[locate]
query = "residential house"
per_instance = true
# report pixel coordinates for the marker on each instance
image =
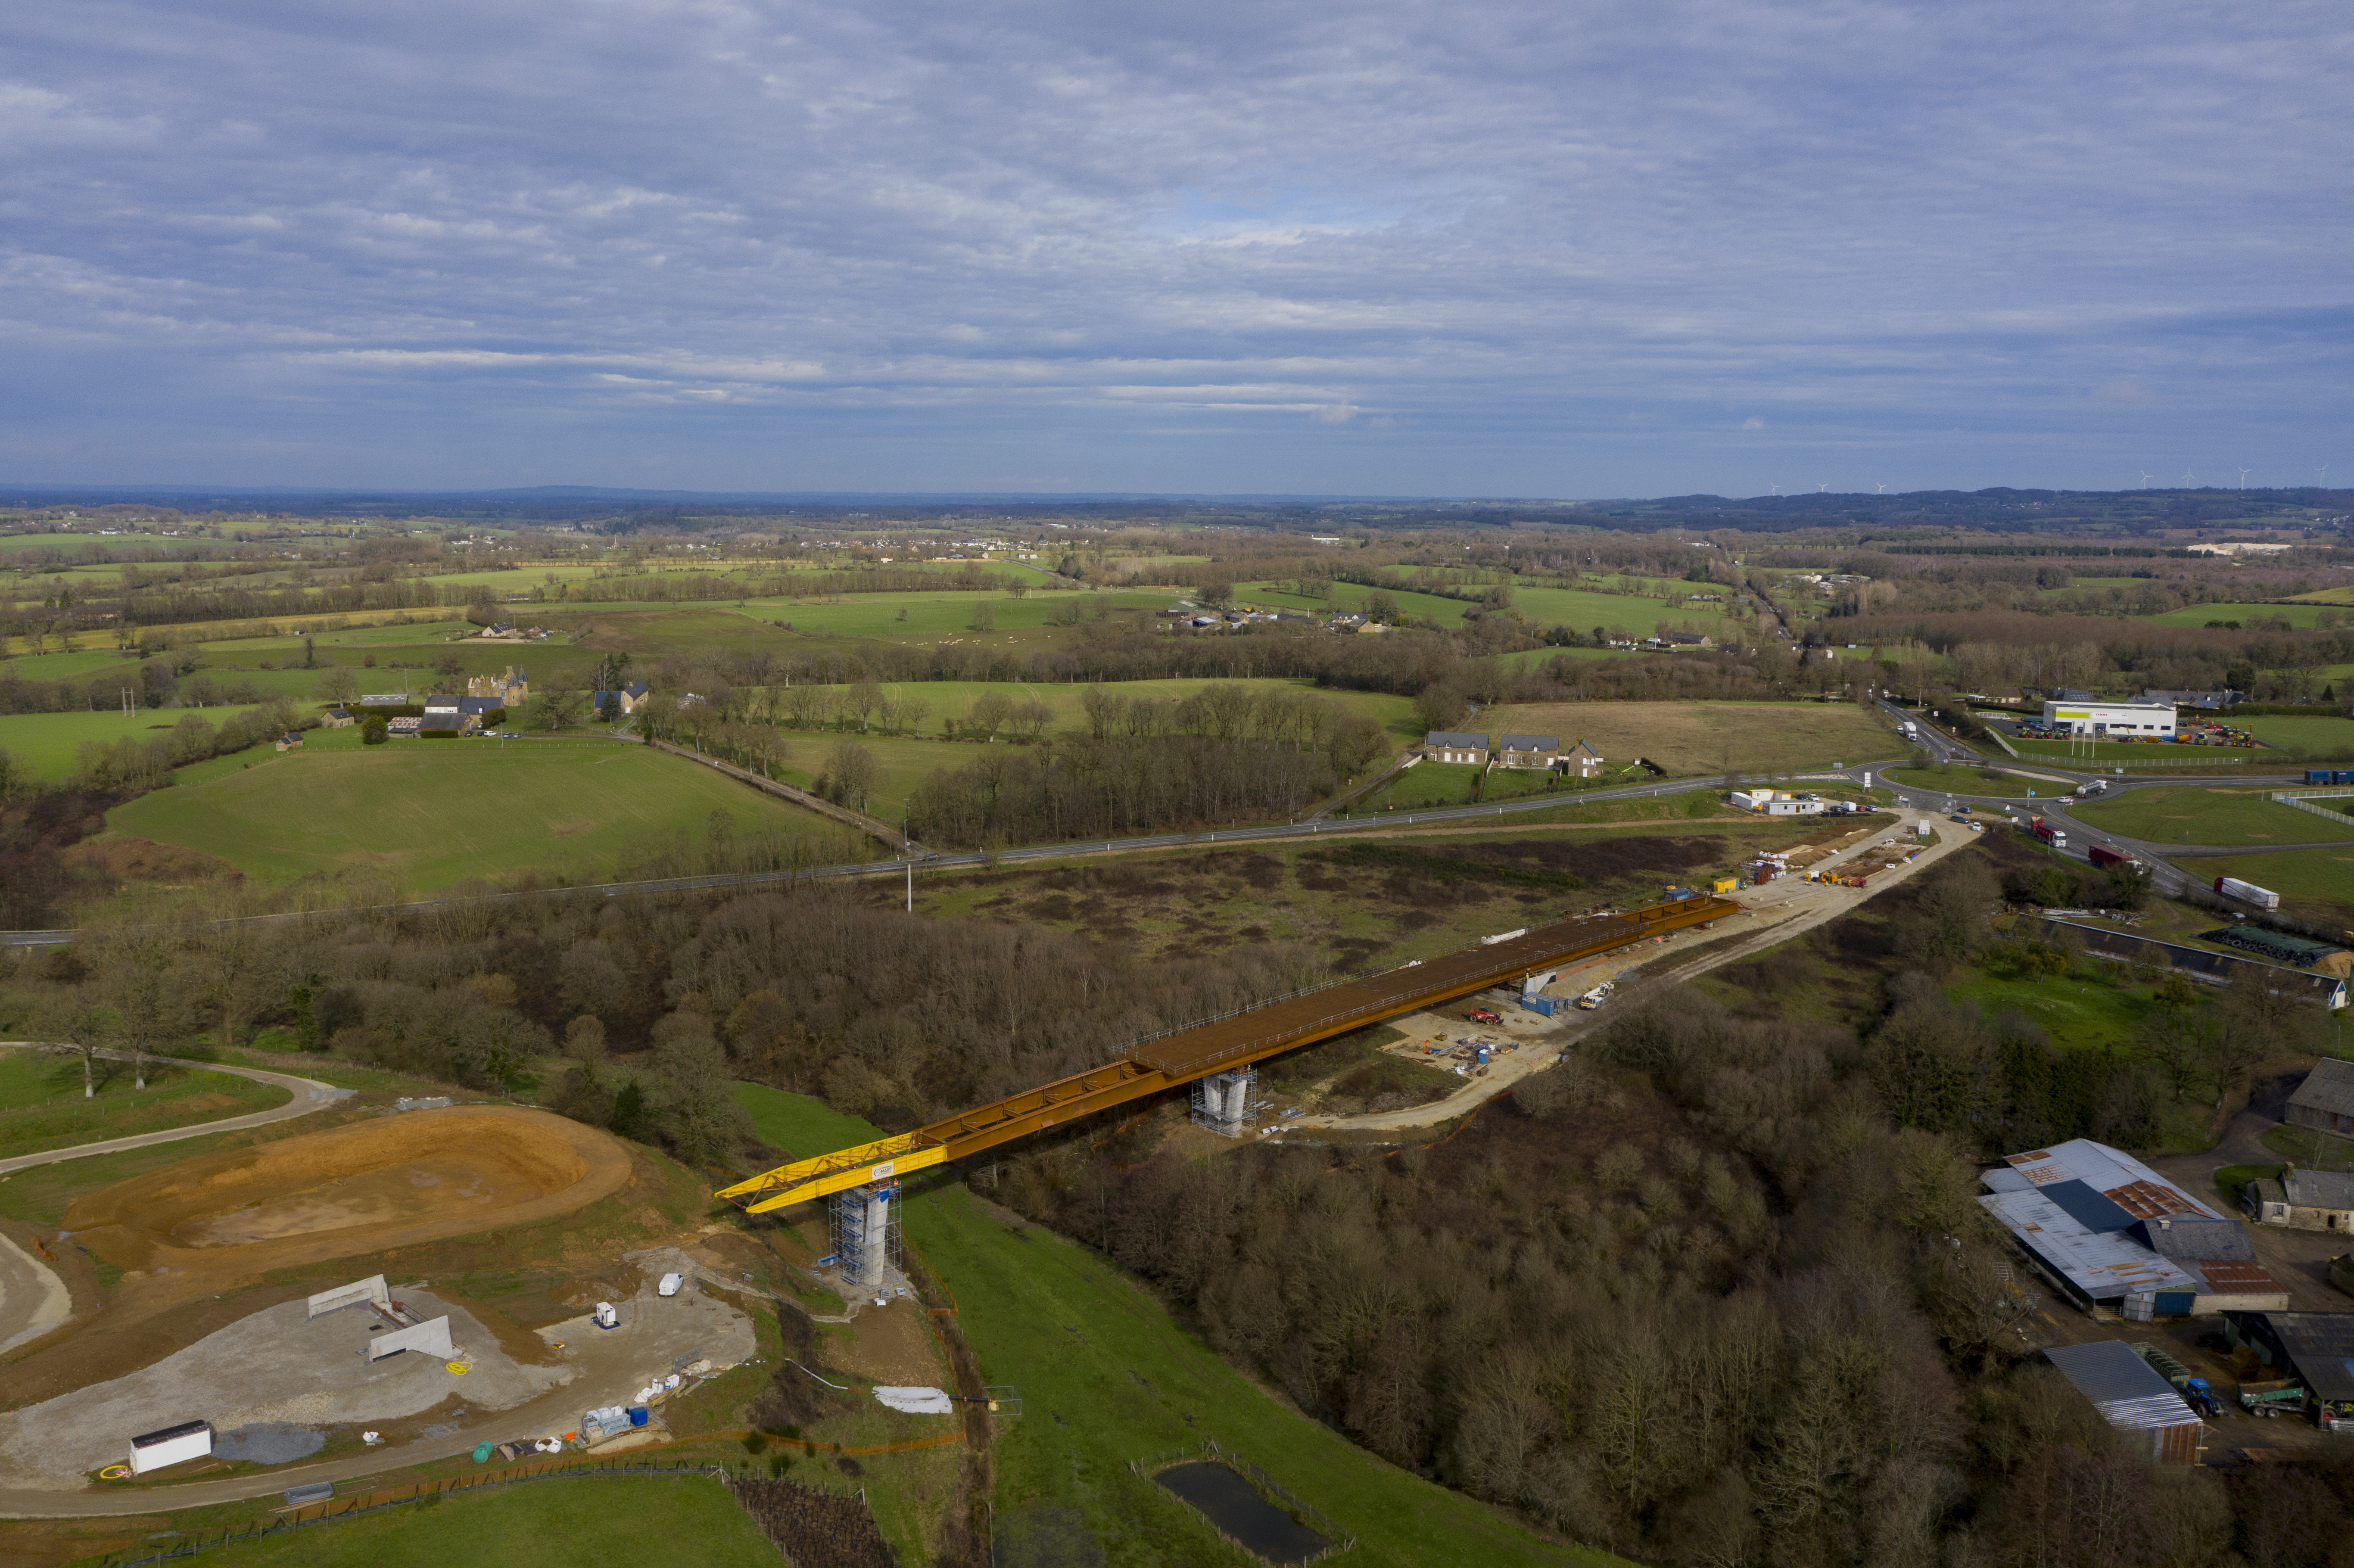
(1686, 640)
(625, 702)
(1455, 746)
(1527, 750)
(2302, 1200)
(337, 719)
(1580, 761)
(289, 740)
(2325, 1101)
(461, 715)
(511, 689)
(2133, 1396)
(2110, 1233)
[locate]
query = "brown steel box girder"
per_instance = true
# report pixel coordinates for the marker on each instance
(1270, 1031)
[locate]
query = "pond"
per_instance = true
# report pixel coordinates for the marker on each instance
(1231, 1504)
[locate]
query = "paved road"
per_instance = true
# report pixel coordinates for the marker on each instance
(309, 1095)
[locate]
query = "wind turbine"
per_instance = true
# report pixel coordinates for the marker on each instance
(1820, 488)
(2323, 476)
(1880, 490)
(1777, 490)
(2189, 478)
(2243, 479)
(2145, 479)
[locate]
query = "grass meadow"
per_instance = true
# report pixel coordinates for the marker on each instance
(45, 744)
(427, 813)
(2318, 884)
(42, 1106)
(2314, 736)
(1707, 738)
(2187, 814)
(1971, 781)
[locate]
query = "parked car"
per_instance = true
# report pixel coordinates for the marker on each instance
(1485, 1015)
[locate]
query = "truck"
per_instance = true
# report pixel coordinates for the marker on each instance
(2247, 893)
(2102, 855)
(2056, 837)
(2195, 1390)
(1594, 997)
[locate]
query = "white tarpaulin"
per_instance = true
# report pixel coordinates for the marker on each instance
(916, 1401)
(372, 1290)
(431, 1336)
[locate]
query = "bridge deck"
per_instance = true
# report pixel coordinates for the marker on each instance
(1219, 1044)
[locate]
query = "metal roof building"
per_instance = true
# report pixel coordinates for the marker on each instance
(2325, 1099)
(2132, 1396)
(2314, 1348)
(2108, 1230)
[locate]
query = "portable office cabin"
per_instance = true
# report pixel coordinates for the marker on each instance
(2132, 1396)
(171, 1445)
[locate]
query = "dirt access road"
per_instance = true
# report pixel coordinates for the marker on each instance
(33, 1299)
(1777, 910)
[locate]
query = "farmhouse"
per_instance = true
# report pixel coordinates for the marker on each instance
(2109, 1231)
(1527, 750)
(627, 700)
(1456, 746)
(289, 740)
(337, 719)
(2325, 1101)
(1580, 761)
(2132, 1396)
(460, 715)
(2302, 1201)
(511, 689)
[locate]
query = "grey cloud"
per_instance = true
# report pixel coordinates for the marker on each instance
(607, 232)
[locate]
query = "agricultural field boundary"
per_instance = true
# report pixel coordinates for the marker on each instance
(863, 823)
(2298, 798)
(310, 1094)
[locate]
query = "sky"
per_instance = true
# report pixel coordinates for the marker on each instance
(1510, 248)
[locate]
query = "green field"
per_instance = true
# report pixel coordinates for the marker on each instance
(2301, 616)
(42, 1108)
(2186, 814)
(1106, 1376)
(1581, 610)
(76, 666)
(1707, 738)
(2317, 884)
(801, 1126)
(45, 744)
(427, 813)
(931, 616)
(367, 639)
(632, 1522)
(1971, 781)
(2151, 756)
(2078, 1014)
(2321, 737)
(1351, 596)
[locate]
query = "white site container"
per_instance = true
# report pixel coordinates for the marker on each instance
(669, 1284)
(189, 1440)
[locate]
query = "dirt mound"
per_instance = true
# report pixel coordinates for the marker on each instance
(406, 1179)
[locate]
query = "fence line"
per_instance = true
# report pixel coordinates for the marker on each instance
(2099, 762)
(333, 1509)
(2299, 798)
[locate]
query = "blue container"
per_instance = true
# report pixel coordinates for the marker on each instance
(1544, 1004)
(2345, 776)
(2317, 776)
(637, 1415)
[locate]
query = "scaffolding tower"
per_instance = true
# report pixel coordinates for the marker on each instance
(1226, 1103)
(863, 1223)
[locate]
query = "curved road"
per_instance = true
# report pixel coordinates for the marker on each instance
(33, 1300)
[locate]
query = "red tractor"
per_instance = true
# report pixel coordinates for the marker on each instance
(1485, 1015)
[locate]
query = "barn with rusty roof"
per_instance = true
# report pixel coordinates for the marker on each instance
(2109, 1231)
